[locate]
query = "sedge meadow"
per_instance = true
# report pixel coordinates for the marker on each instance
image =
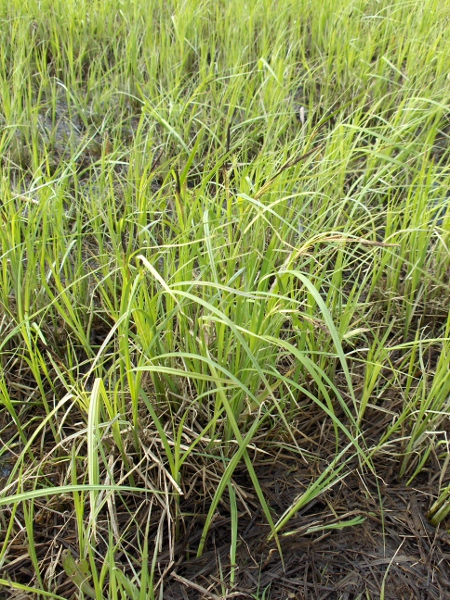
(224, 299)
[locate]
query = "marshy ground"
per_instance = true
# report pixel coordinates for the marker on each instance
(224, 300)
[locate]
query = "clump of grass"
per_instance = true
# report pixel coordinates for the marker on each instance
(188, 265)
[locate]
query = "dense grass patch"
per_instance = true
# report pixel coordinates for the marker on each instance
(225, 236)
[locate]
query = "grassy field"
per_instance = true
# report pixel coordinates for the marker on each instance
(224, 299)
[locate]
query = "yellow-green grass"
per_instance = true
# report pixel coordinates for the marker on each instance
(188, 262)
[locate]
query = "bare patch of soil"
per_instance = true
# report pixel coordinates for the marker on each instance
(395, 552)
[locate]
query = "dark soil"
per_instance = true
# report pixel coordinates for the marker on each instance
(394, 554)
